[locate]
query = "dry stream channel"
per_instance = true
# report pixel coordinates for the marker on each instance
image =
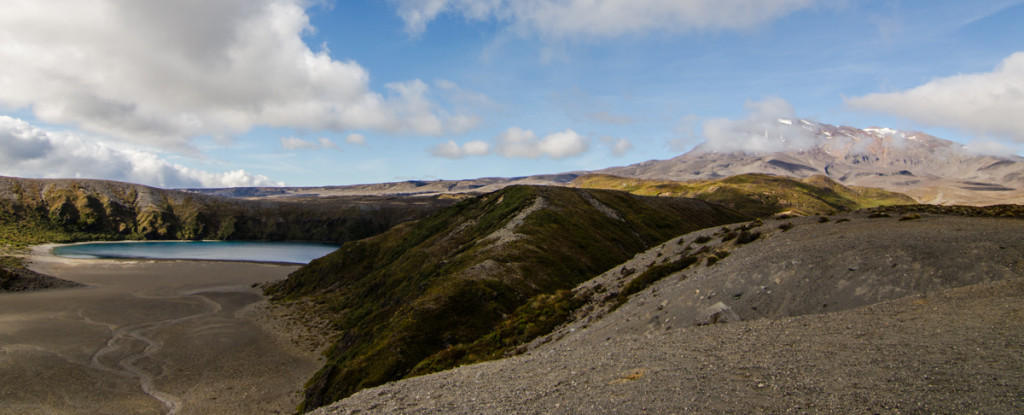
(147, 336)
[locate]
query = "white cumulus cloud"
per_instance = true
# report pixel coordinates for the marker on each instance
(516, 142)
(769, 126)
(618, 146)
(161, 73)
(604, 18)
(451, 149)
(990, 103)
(357, 139)
(29, 151)
(292, 143)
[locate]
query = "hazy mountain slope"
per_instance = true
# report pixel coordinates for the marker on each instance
(450, 278)
(406, 188)
(757, 194)
(59, 210)
(930, 169)
(857, 312)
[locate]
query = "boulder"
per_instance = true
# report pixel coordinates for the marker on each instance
(715, 314)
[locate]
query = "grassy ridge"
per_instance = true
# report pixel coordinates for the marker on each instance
(36, 211)
(453, 277)
(757, 194)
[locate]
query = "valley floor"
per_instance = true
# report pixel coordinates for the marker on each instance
(182, 337)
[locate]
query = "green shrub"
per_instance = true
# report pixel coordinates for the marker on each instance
(539, 316)
(654, 274)
(747, 237)
(715, 257)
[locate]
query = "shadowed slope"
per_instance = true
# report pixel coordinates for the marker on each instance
(448, 279)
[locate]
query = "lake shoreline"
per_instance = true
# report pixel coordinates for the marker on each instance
(48, 251)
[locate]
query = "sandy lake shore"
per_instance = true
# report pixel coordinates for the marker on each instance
(181, 337)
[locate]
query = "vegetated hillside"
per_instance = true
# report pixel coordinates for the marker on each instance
(927, 168)
(399, 297)
(887, 310)
(757, 194)
(63, 210)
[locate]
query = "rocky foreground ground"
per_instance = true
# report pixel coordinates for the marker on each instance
(849, 315)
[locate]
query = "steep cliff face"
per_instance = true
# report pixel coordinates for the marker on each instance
(448, 279)
(49, 210)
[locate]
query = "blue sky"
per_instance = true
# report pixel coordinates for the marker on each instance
(304, 92)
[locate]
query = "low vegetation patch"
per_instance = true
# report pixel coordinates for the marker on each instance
(758, 195)
(653, 275)
(715, 257)
(542, 314)
(746, 237)
(994, 211)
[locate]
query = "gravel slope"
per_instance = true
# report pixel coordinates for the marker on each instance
(896, 335)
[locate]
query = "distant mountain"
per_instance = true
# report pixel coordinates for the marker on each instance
(406, 188)
(929, 169)
(451, 278)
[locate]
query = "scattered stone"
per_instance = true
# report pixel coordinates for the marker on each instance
(715, 314)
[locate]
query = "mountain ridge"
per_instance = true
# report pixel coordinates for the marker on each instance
(450, 278)
(928, 168)
(66, 210)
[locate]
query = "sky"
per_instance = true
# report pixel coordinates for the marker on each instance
(226, 93)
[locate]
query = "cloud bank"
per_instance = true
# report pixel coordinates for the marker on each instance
(770, 126)
(162, 73)
(557, 19)
(451, 149)
(292, 143)
(990, 103)
(516, 142)
(26, 148)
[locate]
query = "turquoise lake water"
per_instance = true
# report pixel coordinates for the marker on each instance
(288, 252)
